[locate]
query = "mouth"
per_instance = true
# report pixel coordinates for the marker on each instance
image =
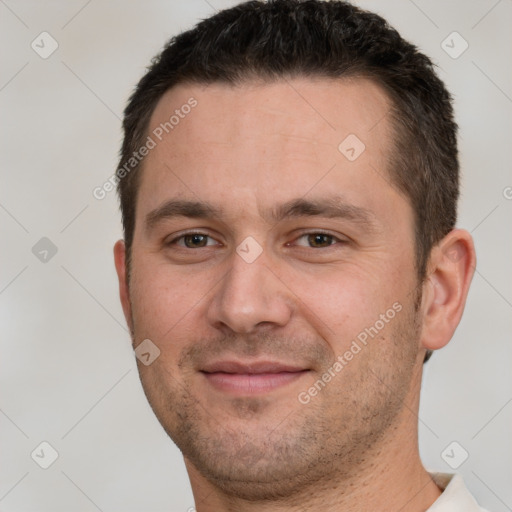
(251, 378)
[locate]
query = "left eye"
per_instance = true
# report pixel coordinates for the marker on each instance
(194, 241)
(316, 240)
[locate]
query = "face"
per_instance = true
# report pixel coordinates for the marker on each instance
(274, 270)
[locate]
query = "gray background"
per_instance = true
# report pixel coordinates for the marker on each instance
(68, 373)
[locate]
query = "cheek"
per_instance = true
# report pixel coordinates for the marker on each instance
(167, 305)
(336, 309)
(342, 305)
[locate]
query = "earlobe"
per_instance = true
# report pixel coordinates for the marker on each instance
(124, 295)
(451, 267)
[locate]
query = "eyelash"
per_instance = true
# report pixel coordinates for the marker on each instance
(335, 240)
(175, 240)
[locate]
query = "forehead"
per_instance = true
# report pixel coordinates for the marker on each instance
(261, 143)
(296, 112)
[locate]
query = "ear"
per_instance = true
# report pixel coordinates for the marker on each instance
(124, 294)
(449, 274)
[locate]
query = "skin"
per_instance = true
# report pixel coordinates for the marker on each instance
(247, 151)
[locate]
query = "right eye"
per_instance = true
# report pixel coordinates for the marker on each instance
(193, 241)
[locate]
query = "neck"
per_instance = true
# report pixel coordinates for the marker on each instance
(391, 478)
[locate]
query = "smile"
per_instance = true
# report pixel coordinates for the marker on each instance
(251, 378)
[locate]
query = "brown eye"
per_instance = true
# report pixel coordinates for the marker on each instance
(319, 240)
(195, 240)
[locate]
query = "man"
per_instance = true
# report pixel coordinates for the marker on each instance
(288, 185)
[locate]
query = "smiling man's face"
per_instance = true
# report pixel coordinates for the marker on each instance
(260, 253)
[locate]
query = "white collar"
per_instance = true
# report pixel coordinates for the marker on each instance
(455, 497)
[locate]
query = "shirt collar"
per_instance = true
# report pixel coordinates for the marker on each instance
(455, 497)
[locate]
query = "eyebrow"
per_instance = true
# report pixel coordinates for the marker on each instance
(181, 208)
(331, 207)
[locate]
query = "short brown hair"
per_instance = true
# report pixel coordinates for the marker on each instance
(287, 38)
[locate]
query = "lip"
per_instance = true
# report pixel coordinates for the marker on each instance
(250, 378)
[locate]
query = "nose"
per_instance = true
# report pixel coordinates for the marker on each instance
(250, 297)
